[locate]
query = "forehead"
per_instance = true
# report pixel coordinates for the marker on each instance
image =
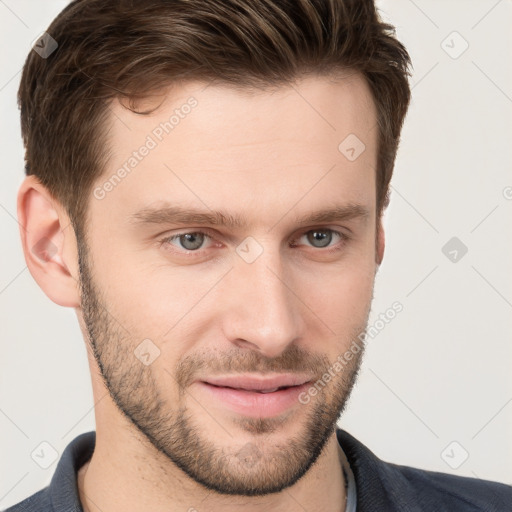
(212, 146)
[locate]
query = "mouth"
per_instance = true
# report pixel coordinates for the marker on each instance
(255, 396)
(266, 384)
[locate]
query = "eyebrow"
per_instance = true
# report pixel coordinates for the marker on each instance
(168, 214)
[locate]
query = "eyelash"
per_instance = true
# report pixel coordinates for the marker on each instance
(329, 249)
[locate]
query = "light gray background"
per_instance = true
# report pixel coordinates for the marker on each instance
(440, 372)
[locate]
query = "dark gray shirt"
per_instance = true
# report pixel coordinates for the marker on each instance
(378, 486)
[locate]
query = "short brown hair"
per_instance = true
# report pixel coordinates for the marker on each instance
(124, 49)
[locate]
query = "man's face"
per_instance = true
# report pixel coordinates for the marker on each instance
(194, 323)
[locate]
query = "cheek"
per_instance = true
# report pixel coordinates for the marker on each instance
(340, 296)
(153, 299)
(160, 301)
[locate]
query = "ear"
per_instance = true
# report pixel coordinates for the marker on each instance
(380, 242)
(49, 243)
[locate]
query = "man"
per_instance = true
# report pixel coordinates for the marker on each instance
(205, 186)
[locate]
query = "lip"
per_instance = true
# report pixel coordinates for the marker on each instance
(254, 396)
(258, 383)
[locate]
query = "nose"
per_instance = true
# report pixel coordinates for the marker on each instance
(264, 311)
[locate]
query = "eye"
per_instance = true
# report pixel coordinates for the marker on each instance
(322, 237)
(188, 241)
(194, 241)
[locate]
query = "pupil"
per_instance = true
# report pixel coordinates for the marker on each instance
(324, 237)
(191, 241)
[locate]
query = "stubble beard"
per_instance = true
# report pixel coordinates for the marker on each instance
(260, 467)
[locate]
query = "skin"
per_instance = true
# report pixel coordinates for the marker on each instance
(272, 157)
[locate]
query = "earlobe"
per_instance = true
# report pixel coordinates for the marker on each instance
(49, 243)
